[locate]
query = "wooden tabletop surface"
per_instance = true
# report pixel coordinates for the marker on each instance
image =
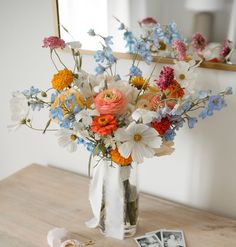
(37, 199)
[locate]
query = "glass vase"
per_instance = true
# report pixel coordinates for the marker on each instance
(129, 188)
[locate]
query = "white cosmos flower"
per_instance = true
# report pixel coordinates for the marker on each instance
(144, 115)
(19, 110)
(86, 116)
(185, 74)
(76, 45)
(19, 107)
(87, 83)
(68, 139)
(137, 140)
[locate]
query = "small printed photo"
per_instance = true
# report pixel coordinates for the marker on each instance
(173, 238)
(148, 241)
(157, 233)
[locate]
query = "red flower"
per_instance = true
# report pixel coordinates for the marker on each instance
(162, 126)
(104, 124)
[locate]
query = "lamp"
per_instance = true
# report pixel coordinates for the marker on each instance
(204, 15)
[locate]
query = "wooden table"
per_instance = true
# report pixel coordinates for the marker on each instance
(38, 198)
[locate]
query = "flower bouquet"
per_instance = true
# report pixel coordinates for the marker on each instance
(119, 119)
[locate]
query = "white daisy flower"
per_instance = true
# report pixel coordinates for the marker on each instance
(137, 140)
(19, 110)
(185, 74)
(68, 139)
(144, 115)
(86, 115)
(76, 45)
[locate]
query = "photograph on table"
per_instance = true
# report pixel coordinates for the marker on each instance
(148, 241)
(173, 238)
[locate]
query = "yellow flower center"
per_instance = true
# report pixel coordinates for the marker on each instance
(73, 137)
(182, 76)
(137, 137)
(103, 121)
(109, 96)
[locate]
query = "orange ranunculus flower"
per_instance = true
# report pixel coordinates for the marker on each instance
(62, 79)
(118, 159)
(104, 124)
(111, 101)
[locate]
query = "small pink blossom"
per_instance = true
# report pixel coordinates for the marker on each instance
(53, 42)
(225, 50)
(198, 42)
(180, 48)
(165, 78)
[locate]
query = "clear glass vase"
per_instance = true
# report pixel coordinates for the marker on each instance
(129, 187)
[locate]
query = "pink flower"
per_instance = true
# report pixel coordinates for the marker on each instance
(111, 101)
(180, 48)
(198, 42)
(165, 78)
(53, 42)
(225, 50)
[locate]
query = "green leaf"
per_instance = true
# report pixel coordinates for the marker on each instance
(89, 164)
(47, 125)
(96, 150)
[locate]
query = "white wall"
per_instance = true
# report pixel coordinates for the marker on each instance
(200, 173)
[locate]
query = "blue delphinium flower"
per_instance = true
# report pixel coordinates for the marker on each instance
(206, 112)
(100, 69)
(56, 113)
(80, 140)
(53, 96)
(177, 121)
(186, 106)
(202, 94)
(216, 102)
(108, 40)
(130, 41)
(99, 56)
(32, 91)
(158, 34)
(89, 146)
(66, 123)
(122, 26)
(169, 135)
(143, 49)
(172, 33)
(91, 32)
(191, 122)
(228, 91)
(35, 105)
(135, 71)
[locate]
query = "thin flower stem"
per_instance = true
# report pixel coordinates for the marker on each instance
(59, 58)
(30, 126)
(53, 60)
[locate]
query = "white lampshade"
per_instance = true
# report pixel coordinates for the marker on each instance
(204, 5)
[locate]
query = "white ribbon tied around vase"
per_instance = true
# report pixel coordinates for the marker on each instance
(108, 179)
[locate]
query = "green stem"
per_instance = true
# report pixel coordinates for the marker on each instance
(59, 58)
(53, 60)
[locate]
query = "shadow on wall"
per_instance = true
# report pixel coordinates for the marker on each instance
(212, 177)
